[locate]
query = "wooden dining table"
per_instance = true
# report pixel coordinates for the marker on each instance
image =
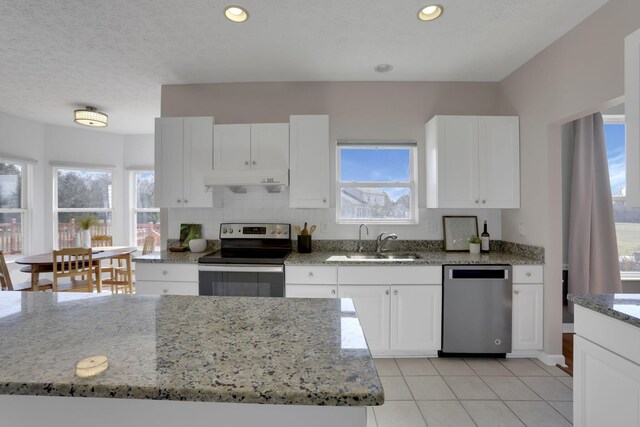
(43, 263)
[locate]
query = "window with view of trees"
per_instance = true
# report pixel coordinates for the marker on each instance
(12, 209)
(80, 193)
(376, 182)
(627, 219)
(146, 216)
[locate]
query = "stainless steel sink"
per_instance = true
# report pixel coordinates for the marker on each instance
(384, 257)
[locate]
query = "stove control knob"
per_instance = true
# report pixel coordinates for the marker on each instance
(224, 231)
(231, 231)
(285, 232)
(273, 231)
(279, 232)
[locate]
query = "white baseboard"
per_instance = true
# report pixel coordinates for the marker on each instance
(547, 359)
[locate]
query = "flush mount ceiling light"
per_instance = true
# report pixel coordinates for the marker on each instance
(236, 14)
(383, 68)
(429, 13)
(89, 116)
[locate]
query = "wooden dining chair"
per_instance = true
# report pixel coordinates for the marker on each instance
(149, 245)
(123, 276)
(77, 265)
(109, 267)
(7, 285)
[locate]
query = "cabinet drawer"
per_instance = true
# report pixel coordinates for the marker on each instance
(528, 274)
(166, 288)
(312, 274)
(160, 272)
(400, 275)
(312, 291)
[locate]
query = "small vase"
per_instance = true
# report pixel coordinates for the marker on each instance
(86, 239)
(78, 240)
(474, 248)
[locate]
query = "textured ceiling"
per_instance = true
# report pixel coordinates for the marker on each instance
(57, 55)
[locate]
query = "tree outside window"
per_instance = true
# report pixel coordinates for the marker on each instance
(146, 216)
(12, 209)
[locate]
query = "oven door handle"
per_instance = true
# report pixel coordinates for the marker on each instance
(242, 268)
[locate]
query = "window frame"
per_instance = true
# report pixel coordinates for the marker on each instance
(620, 119)
(57, 210)
(134, 210)
(25, 202)
(412, 184)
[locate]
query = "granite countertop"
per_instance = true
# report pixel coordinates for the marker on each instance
(623, 307)
(339, 258)
(186, 257)
(426, 258)
(194, 348)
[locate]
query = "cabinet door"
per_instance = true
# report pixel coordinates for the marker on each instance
(499, 162)
(169, 162)
(198, 162)
(527, 317)
(270, 146)
(311, 291)
(232, 147)
(457, 161)
(309, 162)
(416, 318)
(372, 307)
(606, 387)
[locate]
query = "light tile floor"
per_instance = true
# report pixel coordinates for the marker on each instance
(432, 392)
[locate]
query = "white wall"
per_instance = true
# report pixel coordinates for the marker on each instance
(357, 110)
(581, 73)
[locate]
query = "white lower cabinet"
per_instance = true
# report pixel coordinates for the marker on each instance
(373, 310)
(166, 279)
(399, 319)
(311, 291)
(528, 309)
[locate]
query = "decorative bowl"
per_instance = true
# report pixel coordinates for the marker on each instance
(198, 245)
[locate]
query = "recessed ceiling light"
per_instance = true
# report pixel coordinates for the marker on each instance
(429, 13)
(236, 14)
(383, 68)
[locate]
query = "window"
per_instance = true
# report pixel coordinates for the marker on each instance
(146, 217)
(12, 208)
(376, 182)
(627, 219)
(80, 193)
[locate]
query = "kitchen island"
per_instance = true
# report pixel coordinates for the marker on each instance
(606, 389)
(182, 360)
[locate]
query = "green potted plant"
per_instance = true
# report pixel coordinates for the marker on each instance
(85, 224)
(474, 245)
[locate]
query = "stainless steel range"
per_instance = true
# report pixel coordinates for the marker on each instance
(250, 261)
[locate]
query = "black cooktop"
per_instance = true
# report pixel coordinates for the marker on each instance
(245, 257)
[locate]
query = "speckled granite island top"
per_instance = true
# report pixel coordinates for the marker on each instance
(623, 307)
(426, 258)
(193, 348)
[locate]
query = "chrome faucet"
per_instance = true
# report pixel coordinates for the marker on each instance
(360, 236)
(380, 242)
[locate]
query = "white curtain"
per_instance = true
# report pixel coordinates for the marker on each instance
(593, 249)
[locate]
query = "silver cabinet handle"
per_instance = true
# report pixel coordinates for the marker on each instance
(484, 201)
(516, 292)
(395, 292)
(164, 291)
(253, 163)
(246, 163)
(529, 274)
(324, 200)
(476, 201)
(179, 201)
(386, 292)
(333, 291)
(164, 272)
(311, 274)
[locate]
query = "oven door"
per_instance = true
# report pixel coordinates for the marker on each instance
(241, 280)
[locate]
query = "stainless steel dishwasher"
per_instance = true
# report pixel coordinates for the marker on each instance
(476, 310)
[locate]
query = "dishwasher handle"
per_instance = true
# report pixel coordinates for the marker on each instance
(478, 273)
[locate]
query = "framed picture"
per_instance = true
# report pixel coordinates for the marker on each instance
(457, 231)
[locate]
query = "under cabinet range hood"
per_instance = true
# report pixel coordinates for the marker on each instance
(238, 180)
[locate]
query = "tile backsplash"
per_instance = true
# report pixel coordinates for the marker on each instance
(257, 205)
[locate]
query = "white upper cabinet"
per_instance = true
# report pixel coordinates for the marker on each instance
(473, 162)
(632, 116)
(183, 156)
(309, 162)
(251, 146)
